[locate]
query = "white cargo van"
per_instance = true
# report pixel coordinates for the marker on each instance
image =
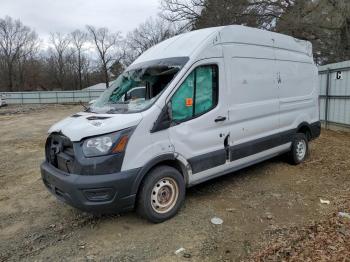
(208, 102)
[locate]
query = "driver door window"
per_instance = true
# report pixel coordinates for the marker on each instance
(197, 95)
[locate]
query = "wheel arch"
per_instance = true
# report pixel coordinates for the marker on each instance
(166, 159)
(305, 128)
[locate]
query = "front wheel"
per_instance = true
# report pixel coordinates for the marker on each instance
(161, 195)
(299, 150)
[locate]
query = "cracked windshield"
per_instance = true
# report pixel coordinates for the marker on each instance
(137, 89)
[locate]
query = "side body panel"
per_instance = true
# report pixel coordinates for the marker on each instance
(298, 89)
(270, 92)
(252, 107)
(252, 92)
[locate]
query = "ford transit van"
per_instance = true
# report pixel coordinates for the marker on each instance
(197, 106)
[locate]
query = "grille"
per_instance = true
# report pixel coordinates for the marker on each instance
(59, 152)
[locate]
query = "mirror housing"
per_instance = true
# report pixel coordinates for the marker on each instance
(92, 102)
(164, 119)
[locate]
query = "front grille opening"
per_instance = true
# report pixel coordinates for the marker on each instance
(59, 152)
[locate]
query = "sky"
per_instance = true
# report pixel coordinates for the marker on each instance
(64, 16)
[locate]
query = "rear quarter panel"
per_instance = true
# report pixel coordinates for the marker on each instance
(298, 89)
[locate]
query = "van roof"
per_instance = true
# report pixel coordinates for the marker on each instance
(178, 46)
(185, 44)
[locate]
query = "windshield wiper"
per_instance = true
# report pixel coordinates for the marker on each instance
(86, 109)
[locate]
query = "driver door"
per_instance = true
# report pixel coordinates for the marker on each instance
(199, 114)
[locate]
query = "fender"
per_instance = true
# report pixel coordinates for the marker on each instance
(185, 167)
(314, 128)
(147, 167)
(302, 124)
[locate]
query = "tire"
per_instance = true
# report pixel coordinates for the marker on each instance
(161, 194)
(299, 150)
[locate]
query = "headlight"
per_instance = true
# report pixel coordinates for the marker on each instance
(106, 144)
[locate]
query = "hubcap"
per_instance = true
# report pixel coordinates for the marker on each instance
(164, 195)
(301, 149)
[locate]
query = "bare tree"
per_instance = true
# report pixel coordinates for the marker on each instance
(185, 12)
(60, 53)
(109, 48)
(16, 42)
(24, 65)
(195, 14)
(79, 39)
(147, 35)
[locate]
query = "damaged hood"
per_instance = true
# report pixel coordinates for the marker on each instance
(83, 124)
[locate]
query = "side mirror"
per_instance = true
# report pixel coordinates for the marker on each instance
(164, 119)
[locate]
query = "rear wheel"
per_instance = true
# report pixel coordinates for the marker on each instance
(299, 150)
(161, 194)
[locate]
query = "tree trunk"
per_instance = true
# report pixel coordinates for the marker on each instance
(79, 73)
(106, 75)
(21, 74)
(80, 80)
(10, 76)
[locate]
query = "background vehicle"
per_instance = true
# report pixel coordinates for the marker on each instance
(2, 100)
(213, 101)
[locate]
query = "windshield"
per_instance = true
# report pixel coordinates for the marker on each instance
(137, 88)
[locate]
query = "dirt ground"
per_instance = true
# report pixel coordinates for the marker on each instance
(260, 205)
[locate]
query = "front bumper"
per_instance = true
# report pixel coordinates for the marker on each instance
(110, 193)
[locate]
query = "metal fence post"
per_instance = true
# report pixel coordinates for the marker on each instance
(327, 97)
(56, 98)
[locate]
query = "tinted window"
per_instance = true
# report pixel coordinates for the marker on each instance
(197, 94)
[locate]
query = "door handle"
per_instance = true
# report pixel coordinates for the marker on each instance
(220, 119)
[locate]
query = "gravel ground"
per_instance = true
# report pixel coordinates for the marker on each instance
(271, 211)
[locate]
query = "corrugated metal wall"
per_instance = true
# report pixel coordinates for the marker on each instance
(334, 80)
(51, 97)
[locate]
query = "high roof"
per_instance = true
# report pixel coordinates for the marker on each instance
(253, 36)
(187, 43)
(177, 46)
